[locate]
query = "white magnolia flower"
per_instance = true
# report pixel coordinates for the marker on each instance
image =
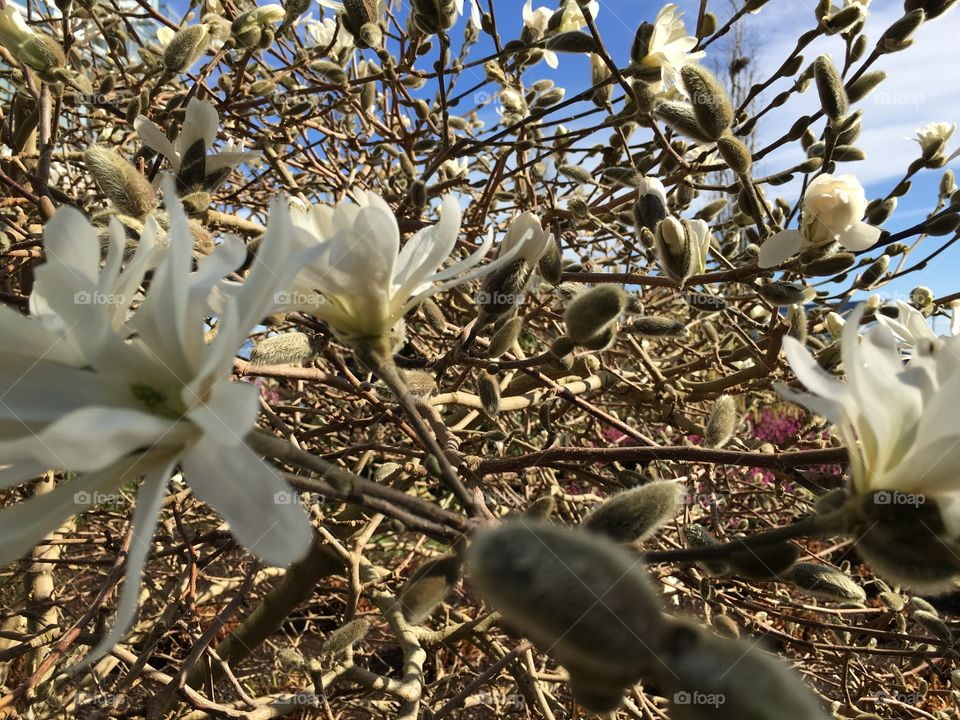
(670, 47)
(652, 186)
(538, 21)
(933, 138)
(833, 208)
(363, 283)
(910, 327)
(111, 398)
(572, 17)
(898, 422)
(474, 11)
(328, 33)
(200, 123)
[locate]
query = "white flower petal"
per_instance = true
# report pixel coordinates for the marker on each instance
(253, 499)
(779, 248)
(146, 515)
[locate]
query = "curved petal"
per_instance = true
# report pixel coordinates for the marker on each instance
(779, 248)
(200, 123)
(144, 525)
(263, 512)
(156, 139)
(90, 438)
(859, 236)
(25, 524)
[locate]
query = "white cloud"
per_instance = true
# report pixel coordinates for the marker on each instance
(918, 89)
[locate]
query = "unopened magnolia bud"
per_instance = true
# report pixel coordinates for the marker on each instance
(943, 225)
(903, 538)
(294, 348)
(697, 536)
(489, 390)
(933, 8)
(625, 176)
(434, 316)
(784, 293)
(722, 421)
(922, 298)
(634, 515)
(711, 106)
(831, 264)
(680, 117)
(898, 36)
(185, 48)
(863, 85)
(736, 679)
(602, 340)
(834, 324)
(762, 562)
(656, 326)
(542, 507)
(843, 19)
(572, 42)
(833, 97)
(501, 290)
(848, 153)
(735, 154)
(673, 247)
(825, 582)
(650, 208)
(551, 263)
(120, 181)
(591, 311)
(599, 76)
(577, 173)
(420, 383)
(427, 587)
(432, 16)
(725, 626)
(504, 338)
(641, 42)
(345, 636)
(873, 273)
(933, 625)
(546, 580)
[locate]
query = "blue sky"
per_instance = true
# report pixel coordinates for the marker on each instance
(921, 88)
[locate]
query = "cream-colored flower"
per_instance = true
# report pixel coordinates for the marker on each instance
(572, 18)
(670, 47)
(110, 397)
(934, 137)
(833, 208)
(328, 33)
(201, 124)
(538, 22)
(474, 11)
(898, 422)
(363, 283)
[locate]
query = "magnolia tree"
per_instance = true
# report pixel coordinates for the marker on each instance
(437, 359)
